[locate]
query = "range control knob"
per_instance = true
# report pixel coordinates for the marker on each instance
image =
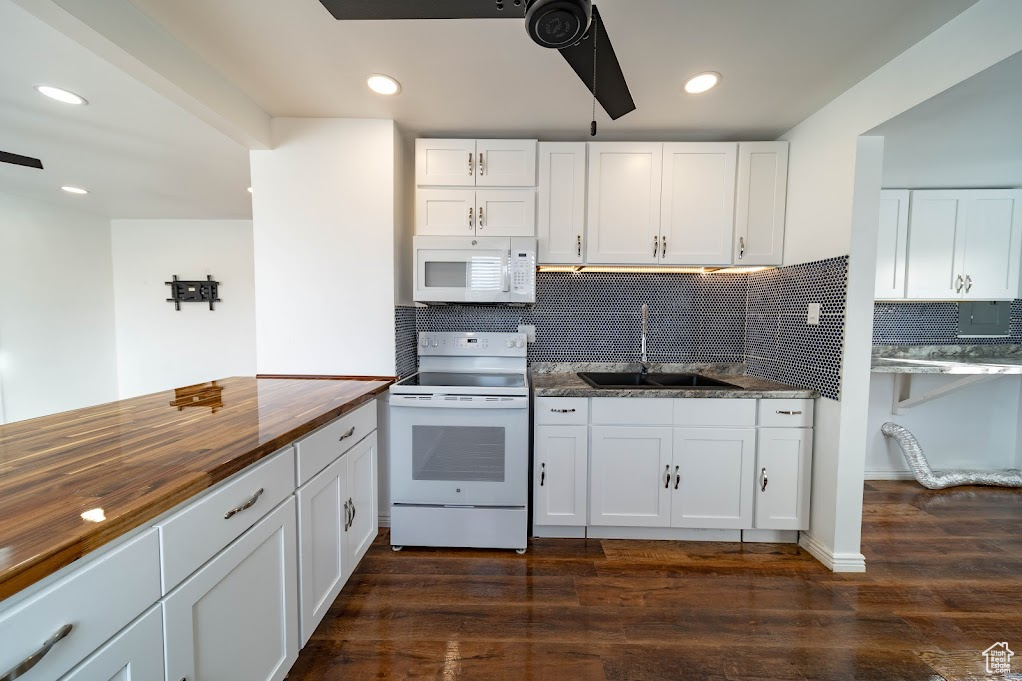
(519, 344)
(425, 342)
(510, 344)
(436, 344)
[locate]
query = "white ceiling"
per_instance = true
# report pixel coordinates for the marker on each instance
(967, 136)
(781, 60)
(138, 154)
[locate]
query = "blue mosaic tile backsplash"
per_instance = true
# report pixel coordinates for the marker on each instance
(594, 317)
(932, 324)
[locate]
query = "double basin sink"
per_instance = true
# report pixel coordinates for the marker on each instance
(633, 380)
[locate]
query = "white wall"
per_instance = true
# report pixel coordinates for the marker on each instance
(325, 223)
(828, 202)
(159, 348)
(57, 345)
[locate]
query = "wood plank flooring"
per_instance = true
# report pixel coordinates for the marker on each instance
(944, 582)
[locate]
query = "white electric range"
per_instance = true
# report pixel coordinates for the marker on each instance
(459, 444)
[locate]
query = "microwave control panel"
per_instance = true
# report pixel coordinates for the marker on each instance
(523, 273)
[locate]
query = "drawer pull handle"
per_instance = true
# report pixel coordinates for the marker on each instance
(789, 412)
(351, 431)
(765, 481)
(563, 411)
(238, 509)
(34, 659)
(542, 475)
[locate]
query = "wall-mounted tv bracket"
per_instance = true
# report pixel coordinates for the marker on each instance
(193, 291)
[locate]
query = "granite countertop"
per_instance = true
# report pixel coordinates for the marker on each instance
(561, 380)
(948, 359)
(136, 459)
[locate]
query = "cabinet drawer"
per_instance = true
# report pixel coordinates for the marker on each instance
(568, 411)
(320, 449)
(97, 600)
(709, 411)
(632, 411)
(786, 413)
(198, 532)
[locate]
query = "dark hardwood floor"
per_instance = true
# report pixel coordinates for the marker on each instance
(943, 584)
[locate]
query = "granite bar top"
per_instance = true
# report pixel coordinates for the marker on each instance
(561, 380)
(947, 359)
(138, 458)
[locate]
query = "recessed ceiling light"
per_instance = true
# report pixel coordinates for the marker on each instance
(75, 190)
(65, 96)
(382, 85)
(701, 82)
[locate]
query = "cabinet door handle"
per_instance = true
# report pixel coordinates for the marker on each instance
(482, 220)
(470, 216)
(788, 412)
(347, 517)
(765, 481)
(741, 247)
(958, 284)
(968, 283)
(482, 164)
(34, 659)
(349, 433)
(677, 477)
(470, 166)
(579, 242)
(563, 411)
(542, 474)
(663, 247)
(667, 476)
(238, 509)
(656, 246)
(351, 505)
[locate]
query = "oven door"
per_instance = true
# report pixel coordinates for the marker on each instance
(459, 450)
(462, 270)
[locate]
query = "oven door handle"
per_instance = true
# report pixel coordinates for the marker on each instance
(458, 402)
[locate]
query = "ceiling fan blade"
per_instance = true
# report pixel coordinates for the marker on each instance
(611, 89)
(424, 9)
(18, 160)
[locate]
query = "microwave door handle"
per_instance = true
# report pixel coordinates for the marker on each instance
(507, 272)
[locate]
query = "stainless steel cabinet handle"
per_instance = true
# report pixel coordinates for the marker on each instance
(677, 477)
(958, 284)
(656, 246)
(542, 474)
(667, 476)
(34, 659)
(351, 505)
(765, 481)
(470, 216)
(579, 241)
(663, 247)
(968, 283)
(788, 412)
(482, 163)
(470, 166)
(481, 218)
(563, 411)
(741, 247)
(347, 516)
(351, 431)
(248, 504)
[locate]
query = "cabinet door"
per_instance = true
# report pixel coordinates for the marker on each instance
(891, 242)
(135, 654)
(561, 475)
(506, 212)
(697, 219)
(630, 477)
(783, 470)
(445, 212)
(713, 473)
(624, 202)
(363, 500)
(322, 529)
(506, 163)
(562, 202)
(237, 617)
(445, 162)
(992, 227)
(934, 232)
(759, 213)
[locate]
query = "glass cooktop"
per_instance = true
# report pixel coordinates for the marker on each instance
(449, 379)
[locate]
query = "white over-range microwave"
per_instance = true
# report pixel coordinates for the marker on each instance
(454, 269)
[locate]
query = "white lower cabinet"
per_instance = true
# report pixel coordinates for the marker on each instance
(783, 470)
(561, 475)
(135, 654)
(237, 616)
(631, 478)
(713, 470)
(337, 519)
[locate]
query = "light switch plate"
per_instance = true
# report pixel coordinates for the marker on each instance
(813, 315)
(529, 330)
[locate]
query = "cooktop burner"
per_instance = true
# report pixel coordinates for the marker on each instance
(451, 379)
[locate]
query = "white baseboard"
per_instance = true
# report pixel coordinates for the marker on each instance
(383, 521)
(770, 536)
(835, 562)
(889, 475)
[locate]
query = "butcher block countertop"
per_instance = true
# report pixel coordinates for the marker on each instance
(131, 461)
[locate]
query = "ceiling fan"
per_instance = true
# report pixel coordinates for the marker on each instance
(19, 160)
(573, 27)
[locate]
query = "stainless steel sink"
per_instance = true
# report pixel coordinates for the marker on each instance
(624, 380)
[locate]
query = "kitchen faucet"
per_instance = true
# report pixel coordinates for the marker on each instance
(644, 360)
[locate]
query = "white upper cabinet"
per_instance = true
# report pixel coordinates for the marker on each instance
(468, 212)
(964, 244)
(562, 202)
(505, 212)
(471, 163)
(697, 206)
(624, 202)
(892, 240)
(760, 198)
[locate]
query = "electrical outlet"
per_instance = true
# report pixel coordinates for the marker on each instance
(529, 330)
(813, 315)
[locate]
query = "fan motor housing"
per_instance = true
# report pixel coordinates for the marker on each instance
(557, 23)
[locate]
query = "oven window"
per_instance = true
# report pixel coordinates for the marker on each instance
(458, 453)
(441, 274)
